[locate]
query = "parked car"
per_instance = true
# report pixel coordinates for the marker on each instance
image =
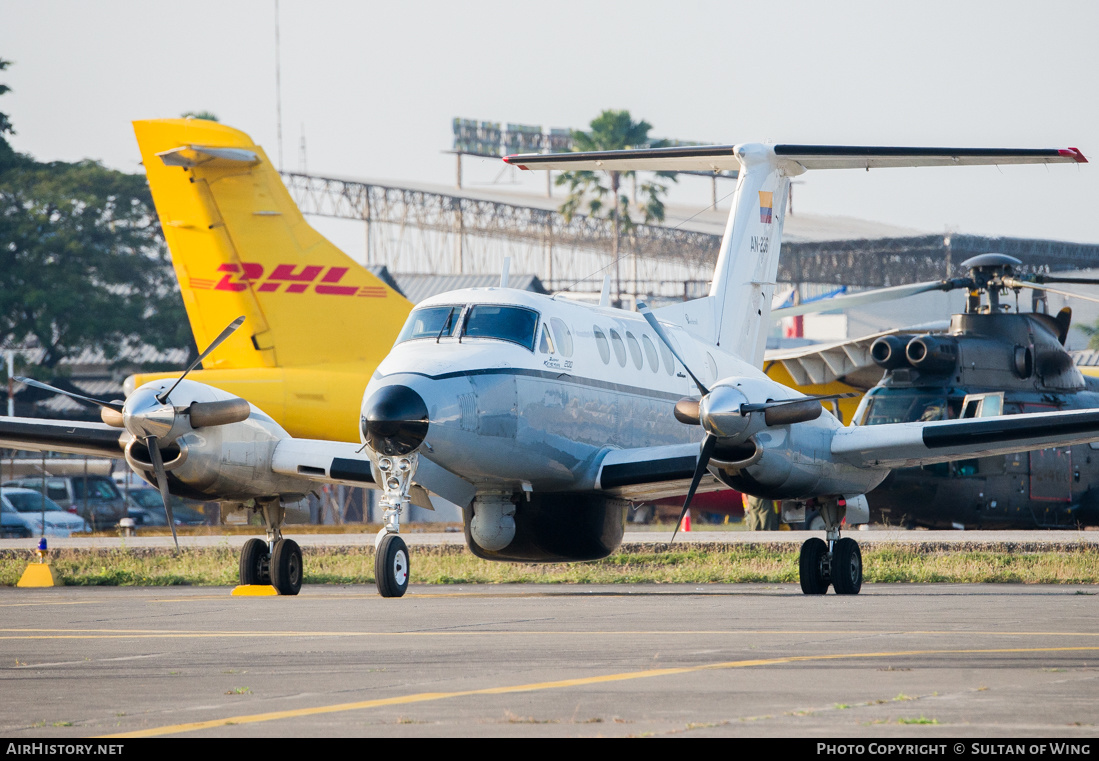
(27, 505)
(147, 509)
(96, 499)
(12, 524)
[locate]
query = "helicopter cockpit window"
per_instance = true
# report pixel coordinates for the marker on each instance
(430, 322)
(903, 408)
(503, 323)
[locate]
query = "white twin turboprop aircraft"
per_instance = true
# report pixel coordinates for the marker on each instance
(545, 418)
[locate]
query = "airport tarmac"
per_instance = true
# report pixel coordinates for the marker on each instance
(897, 661)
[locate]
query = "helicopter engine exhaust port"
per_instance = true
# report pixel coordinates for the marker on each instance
(888, 351)
(933, 354)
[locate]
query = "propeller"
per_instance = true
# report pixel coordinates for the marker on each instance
(725, 412)
(151, 418)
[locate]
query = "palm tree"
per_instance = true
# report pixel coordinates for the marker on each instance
(614, 131)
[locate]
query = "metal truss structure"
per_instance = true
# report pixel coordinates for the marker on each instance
(413, 230)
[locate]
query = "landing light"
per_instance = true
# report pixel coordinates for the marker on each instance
(385, 464)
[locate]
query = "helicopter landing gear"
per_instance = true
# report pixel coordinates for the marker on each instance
(837, 562)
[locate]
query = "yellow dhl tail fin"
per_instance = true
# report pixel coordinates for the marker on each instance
(240, 246)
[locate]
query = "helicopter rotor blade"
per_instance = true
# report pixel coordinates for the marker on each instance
(229, 330)
(162, 482)
(1011, 282)
(113, 405)
(659, 330)
(869, 297)
(708, 444)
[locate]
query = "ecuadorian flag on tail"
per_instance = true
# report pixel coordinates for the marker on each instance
(765, 207)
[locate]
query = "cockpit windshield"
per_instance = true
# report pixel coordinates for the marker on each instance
(505, 323)
(906, 407)
(430, 322)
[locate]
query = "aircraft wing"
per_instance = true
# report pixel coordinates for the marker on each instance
(338, 462)
(69, 437)
(902, 445)
(650, 473)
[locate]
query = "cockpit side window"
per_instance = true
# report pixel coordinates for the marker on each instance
(503, 323)
(430, 322)
(545, 343)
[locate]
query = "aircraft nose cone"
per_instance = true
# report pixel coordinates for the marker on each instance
(395, 420)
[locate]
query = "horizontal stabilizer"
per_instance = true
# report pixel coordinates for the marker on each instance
(191, 156)
(903, 445)
(715, 158)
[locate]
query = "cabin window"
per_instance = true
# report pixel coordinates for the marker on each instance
(650, 353)
(562, 335)
(430, 322)
(502, 323)
(619, 347)
(602, 345)
(635, 351)
(668, 357)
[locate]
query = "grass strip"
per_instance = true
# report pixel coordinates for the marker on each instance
(632, 564)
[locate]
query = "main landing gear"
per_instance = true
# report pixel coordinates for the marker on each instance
(276, 561)
(837, 563)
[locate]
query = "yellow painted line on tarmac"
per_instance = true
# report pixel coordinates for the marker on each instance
(424, 697)
(19, 634)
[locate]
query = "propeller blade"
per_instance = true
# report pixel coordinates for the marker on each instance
(708, 445)
(114, 405)
(868, 297)
(218, 413)
(758, 406)
(1011, 282)
(163, 398)
(162, 482)
(655, 325)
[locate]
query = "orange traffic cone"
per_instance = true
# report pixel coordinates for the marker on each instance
(686, 526)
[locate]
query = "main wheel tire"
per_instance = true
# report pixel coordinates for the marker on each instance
(811, 566)
(846, 567)
(286, 568)
(391, 567)
(254, 568)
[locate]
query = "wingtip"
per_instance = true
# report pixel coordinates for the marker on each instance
(1075, 154)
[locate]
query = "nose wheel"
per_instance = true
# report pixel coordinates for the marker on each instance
(391, 566)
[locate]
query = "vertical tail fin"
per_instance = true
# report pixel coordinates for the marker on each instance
(737, 312)
(240, 246)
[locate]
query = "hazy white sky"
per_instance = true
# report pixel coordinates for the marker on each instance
(374, 87)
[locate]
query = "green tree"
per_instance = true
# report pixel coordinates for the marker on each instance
(199, 115)
(83, 263)
(1092, 332)
(7, 155)
(614, 131)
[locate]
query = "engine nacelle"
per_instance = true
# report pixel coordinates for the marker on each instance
(547, 527)
(888, 352)
(933, 354)
(224, 463)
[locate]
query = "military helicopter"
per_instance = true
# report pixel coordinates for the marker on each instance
(992, 360)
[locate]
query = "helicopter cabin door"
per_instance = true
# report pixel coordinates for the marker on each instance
(986, 508)
(1050, 480)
